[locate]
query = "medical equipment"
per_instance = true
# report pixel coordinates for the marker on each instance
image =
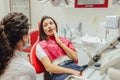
(72, 77)
(88, 74)
(116, 2)
(114, 74)
(110, 64)
(108, 46)
(57, 2)
(73, 33)
(112, 22)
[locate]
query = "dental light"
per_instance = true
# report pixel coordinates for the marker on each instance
(56, 2)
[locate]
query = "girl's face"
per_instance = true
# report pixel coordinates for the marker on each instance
(49, 26)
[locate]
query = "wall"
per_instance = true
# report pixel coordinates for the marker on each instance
(92, 18)
(4, 8)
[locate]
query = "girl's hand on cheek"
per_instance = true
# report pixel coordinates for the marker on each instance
(57, 37)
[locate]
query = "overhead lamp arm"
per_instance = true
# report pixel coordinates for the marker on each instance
(43, 1)
(103, 49)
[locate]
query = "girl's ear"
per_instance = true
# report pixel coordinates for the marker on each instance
(25, 38)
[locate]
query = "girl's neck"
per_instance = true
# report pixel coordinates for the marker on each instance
(51, 37)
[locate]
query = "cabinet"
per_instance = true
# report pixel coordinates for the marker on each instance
(22, 6)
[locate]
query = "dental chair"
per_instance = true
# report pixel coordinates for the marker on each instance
(35, 61)
(114, 74)
(37, 64)
(33, 58)
(110, 64)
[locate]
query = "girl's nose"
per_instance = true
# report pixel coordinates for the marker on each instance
(49, 25)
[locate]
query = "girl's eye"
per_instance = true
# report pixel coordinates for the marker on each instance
(51, 23)
(45, 25)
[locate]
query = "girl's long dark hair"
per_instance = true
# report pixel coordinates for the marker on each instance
(12, 28)
(43, 36)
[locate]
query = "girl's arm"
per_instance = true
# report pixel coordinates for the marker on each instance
(71, 53)
(57, 69)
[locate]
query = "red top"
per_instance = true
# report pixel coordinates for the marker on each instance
(52, 49)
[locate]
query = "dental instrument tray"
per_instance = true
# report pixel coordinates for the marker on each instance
(73, 77)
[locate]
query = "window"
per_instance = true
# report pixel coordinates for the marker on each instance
(91, 3)
(22, 6)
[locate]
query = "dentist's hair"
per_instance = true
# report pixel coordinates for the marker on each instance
(12, 28)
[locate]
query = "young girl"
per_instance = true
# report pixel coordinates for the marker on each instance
(57, 54)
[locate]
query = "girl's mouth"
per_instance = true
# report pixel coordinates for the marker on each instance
(51, 30)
